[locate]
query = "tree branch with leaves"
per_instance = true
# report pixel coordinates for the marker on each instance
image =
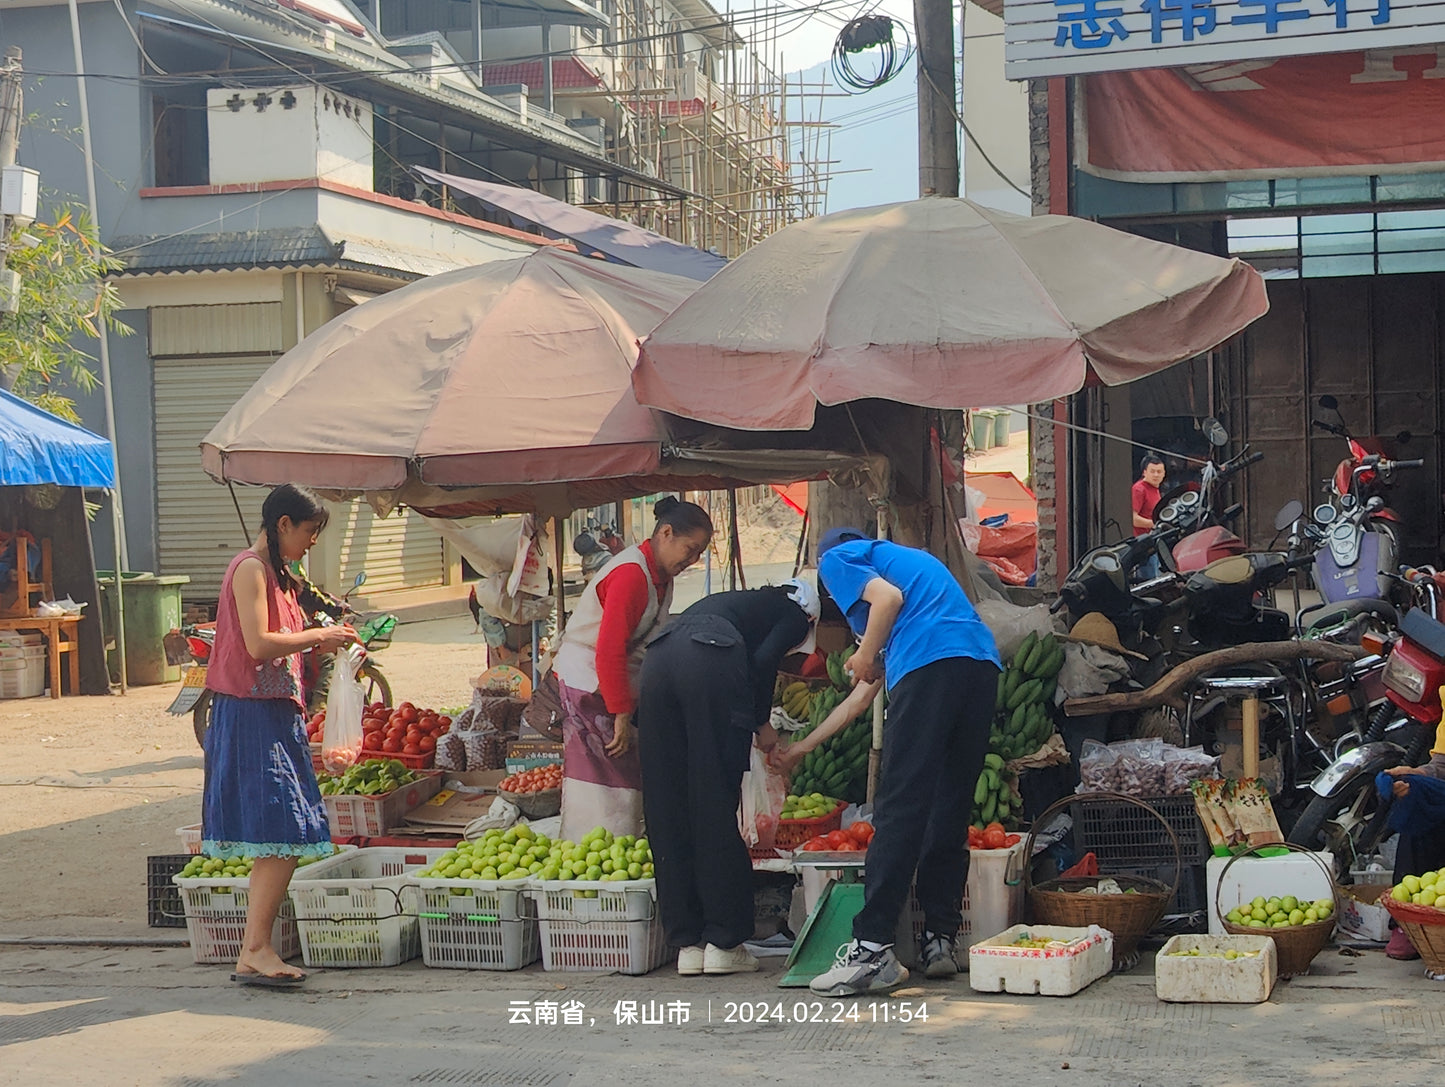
(65, 300)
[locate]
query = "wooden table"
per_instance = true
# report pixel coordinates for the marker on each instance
(61, 634)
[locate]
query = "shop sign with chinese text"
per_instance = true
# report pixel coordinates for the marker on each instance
(1069, 37)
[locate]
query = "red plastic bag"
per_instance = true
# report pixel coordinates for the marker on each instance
(1087, 866)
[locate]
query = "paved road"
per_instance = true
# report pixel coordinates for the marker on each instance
(121, 1017)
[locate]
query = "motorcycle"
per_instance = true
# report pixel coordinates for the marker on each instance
(195, 642)
(1359, 530)
(1345, 815)
(595, 546)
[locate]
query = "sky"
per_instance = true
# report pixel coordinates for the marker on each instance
(876, 138)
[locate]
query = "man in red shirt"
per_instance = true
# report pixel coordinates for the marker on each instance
(1144, 496)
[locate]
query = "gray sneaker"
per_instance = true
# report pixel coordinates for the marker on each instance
(937, 957)
(860, 972)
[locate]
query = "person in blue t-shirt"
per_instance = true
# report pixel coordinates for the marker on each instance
(920, 635)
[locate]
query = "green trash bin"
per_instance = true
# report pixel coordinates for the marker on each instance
(984, 428)
(1002, 424)
(152, 610)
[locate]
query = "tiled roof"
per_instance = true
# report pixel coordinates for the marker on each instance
(567, 72)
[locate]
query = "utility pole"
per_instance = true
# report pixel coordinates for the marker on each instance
(937, 124)
(12, 104)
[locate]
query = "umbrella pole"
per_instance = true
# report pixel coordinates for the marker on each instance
(559, 588)
(117, 526)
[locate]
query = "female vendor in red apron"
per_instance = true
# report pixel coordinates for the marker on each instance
(597, 667)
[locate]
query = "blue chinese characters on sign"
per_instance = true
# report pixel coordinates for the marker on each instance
(1096, 24)
(1093, 26)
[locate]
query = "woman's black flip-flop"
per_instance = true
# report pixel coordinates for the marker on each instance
(269, 981)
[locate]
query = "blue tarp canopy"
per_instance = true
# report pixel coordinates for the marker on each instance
(37, 447)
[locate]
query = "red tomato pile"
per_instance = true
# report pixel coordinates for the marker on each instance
(853, 839)
(992, 836)
(535, 780)
(405, 730)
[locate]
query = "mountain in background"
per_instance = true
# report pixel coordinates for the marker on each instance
(877, 133)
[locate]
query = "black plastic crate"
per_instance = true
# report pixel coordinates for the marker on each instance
(1190, 895)
(1126, 837)
(164, 907)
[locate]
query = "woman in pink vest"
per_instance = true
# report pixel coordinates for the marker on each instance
(597, 667)
(261, 798)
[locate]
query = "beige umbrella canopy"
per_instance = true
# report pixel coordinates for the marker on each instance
(939, 303)
(503, 387)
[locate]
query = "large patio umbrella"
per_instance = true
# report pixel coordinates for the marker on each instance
(503, 387)
(940, 303)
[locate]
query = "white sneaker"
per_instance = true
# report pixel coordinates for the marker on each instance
(736, 960)
(860, 972)
(690, 960)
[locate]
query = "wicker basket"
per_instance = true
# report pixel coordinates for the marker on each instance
(1425, 925)
(1296, 946)
(538, 805)
(1128, 916)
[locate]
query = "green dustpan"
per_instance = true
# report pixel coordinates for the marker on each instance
(827, 928)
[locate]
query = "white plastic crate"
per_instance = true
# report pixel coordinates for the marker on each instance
(1187, 979)
(22, 672)
(373, 816)
(470, 924)
(216, 919)
(591, 927)
(993, 899)
(998, 965)
(358, 909)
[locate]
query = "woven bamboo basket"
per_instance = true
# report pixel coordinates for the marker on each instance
(1425, 925)
(1296, 946)
(539, 805)
(1128, 916)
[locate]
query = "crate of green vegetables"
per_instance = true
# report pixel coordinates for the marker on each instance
(374, 796)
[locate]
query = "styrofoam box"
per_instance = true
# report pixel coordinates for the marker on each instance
(1186, 979)
(995, 965)
(1254, 877)
(358, 909)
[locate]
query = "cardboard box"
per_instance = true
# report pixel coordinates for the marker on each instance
(450, 810)
(1361, 917)
(529, 754)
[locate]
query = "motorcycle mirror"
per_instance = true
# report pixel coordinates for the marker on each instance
(360, 580)
(1289, 513)
(1329, 403)
(1215, 432)
(1403, 438)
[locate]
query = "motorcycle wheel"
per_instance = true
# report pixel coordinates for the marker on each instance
(201, 717)
(1349, 825)
(374, 685)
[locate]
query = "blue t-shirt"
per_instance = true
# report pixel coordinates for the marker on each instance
(936, 621)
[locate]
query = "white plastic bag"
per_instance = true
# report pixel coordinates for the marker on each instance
(764, 791)
(345, 702)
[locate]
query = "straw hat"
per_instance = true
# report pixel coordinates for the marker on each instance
(1095, 629)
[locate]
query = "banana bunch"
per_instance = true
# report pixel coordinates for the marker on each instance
(796, 699)
(836, 672)
(1023, 714)
(994, 797)
(840, 766)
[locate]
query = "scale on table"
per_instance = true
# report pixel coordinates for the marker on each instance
(830, 925)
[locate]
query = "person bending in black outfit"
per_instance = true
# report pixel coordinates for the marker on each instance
(706, 690)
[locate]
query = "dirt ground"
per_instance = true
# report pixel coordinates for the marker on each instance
(90, 787)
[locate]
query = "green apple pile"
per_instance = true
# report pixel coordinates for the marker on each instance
(1280, 912)
(1426, 890)
(233, 868)
(1196, 953)
(374, 777)
(519, 853)
(809, 806)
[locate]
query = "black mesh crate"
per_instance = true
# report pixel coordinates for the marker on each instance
(164, 908)
(1125, 837)
(1188, 898)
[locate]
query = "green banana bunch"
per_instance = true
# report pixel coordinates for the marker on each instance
(1023, 708)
